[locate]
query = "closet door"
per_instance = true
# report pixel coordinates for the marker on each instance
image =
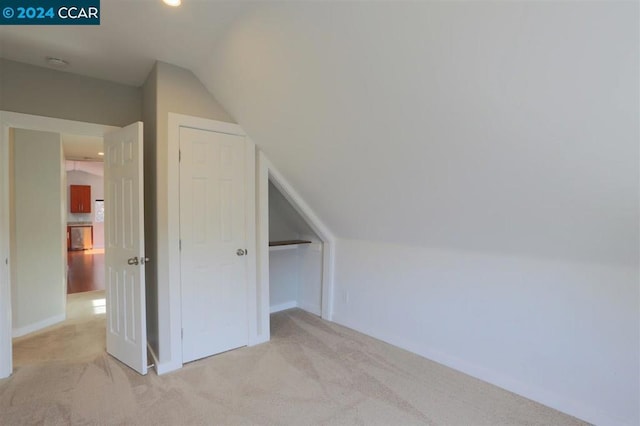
(213, 243)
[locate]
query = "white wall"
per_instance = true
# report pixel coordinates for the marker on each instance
(38, 293)
(284, 279)
(479, 161)
(562, 333)
(295, 278)
(97, 193)
(310, 284)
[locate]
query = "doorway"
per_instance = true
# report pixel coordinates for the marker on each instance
(85, 230)
(49, 323)
(10, 121)
(84, 208)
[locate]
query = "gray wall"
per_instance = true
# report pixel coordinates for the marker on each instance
(38, 293)
(284, 222)
(168, 88)
(149, 117)
(42, 91)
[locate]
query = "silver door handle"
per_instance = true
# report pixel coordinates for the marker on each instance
(133, 260)
(241, 252)
(144, 260)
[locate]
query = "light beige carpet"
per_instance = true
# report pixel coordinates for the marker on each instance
(311, 372)
(80, 337)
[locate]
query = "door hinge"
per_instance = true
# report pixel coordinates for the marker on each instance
(179, 155)
(180, 244)
(182, 333)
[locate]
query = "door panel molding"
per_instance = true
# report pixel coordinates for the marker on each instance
(213, 233)
(169, 298)
(125, 275)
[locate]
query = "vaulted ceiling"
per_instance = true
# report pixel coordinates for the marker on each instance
(487, 126)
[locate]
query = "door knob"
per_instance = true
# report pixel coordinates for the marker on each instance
(133, 260)
(241, 252)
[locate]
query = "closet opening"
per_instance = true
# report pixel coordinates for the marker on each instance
(295, 258)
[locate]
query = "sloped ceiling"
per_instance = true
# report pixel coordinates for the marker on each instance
(506, 127)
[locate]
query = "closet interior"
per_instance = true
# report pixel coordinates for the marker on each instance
(295, 258)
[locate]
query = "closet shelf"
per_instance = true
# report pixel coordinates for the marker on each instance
(286, 245)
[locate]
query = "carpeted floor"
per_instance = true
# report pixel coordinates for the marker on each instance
(311, 372)
(79, 338)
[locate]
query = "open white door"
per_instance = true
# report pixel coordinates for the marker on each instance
(124, 243)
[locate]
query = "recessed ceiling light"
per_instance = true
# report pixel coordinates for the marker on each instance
(173, 3)
(57, 62)
(101, 154)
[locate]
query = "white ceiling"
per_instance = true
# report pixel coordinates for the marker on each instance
(91, 167)
(82, 148)
(133, 34)
(506, 127)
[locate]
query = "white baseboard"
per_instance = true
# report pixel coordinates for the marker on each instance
(163, 367)
(154, 357)
(293, 304)
(315, 310)
(167, 367)
(31, 328)
(283, 306)
(262, 338)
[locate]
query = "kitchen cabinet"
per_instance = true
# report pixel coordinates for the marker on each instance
(80, 198)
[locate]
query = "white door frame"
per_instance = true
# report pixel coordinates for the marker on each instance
(30, 122)
(175, 121)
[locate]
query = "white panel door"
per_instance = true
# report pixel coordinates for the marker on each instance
(213, 242)
(124, 244)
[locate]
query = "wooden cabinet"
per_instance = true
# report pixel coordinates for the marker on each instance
(80, 198)
(80, 237)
